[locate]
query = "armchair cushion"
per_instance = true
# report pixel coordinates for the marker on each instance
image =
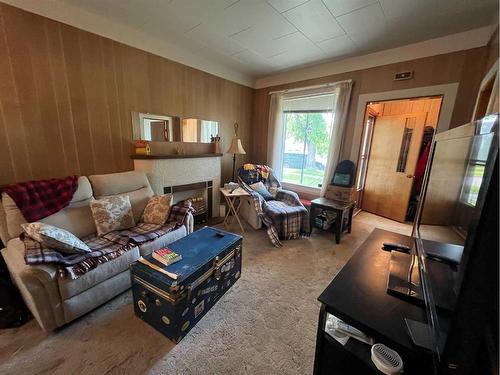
(262, 190)
(291, 198)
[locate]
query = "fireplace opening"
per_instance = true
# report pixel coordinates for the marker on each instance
(201, 196)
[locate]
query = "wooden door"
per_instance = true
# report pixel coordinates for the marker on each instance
(158, 130)
(393, 158)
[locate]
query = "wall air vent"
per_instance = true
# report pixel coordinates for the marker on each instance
(401, 76)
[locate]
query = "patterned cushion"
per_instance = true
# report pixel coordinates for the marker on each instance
(55, 238)
(112, 213)
(157, 209)
(260, 188)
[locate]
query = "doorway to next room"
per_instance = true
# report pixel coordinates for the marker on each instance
(395, 145)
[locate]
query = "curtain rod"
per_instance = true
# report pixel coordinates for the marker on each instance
(310, 87)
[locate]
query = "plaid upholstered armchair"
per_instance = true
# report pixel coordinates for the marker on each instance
(281, 211)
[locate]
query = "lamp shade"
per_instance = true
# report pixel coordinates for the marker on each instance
(236, 147)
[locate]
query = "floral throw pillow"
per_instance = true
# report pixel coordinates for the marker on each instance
(112, 213)
(157, 209)
(55, 238)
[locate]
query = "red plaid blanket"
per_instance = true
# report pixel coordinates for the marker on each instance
(39, 199)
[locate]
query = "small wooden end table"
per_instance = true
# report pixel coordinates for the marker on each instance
(233, 203)
(340, 208)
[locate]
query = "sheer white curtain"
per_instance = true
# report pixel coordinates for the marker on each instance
(343, 91)
(275, 134)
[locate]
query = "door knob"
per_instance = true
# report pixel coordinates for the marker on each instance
(410, 176)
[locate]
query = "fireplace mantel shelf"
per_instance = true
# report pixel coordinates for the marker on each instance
(175, 156)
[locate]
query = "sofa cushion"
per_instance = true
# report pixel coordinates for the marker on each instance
(157, 209)
(112, 213)
(134, 184)
(148, 247)
(69, 287)
(76, 217)
(55, 238)
(91, 298)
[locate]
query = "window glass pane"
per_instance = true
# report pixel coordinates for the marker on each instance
(473, 181)
(475, 169)
(365, 151)
(307, 140)
(405, 147)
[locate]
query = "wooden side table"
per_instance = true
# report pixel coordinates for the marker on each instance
(340, 208)
(233, 203)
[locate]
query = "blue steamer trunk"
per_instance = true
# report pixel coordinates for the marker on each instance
(210, 265)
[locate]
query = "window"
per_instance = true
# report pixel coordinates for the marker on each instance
(405, 146)
(475, 169)
(307, 132)
(365, 152)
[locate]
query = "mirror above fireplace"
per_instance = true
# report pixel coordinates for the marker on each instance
(165, 128)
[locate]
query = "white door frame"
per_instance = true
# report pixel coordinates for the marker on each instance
(448, 91)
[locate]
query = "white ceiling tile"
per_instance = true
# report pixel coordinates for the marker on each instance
(279, 34)
(218, 42)
(407, 8)
(247, 13)
(124, 11)
(340, 7)
(284, 5)
(254, 61)
(183, 15)
(259, 42)
(314, 20)
(369, 19)
(338, 46)
(297, 57)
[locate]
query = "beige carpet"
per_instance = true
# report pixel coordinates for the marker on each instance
(265, 324)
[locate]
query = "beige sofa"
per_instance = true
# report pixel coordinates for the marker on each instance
(55, 301)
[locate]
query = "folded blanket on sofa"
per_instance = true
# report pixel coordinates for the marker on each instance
(74, 265)
(39, 199)
(105, 248)
(143, 232)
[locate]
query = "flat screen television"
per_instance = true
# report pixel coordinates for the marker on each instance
(459, 190)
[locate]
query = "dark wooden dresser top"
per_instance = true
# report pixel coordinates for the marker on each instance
(358, 294)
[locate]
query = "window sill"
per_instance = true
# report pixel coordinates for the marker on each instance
(301, 188)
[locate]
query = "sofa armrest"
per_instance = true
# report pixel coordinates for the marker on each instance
(189, 223)
(38, 285)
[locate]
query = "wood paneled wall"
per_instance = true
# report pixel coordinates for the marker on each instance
(66, 98)
(492, 49)
(402, 107)
(466, 67)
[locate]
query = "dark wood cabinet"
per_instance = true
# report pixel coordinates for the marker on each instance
(358, 296)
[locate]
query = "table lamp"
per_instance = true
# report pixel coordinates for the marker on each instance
(235, 148)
